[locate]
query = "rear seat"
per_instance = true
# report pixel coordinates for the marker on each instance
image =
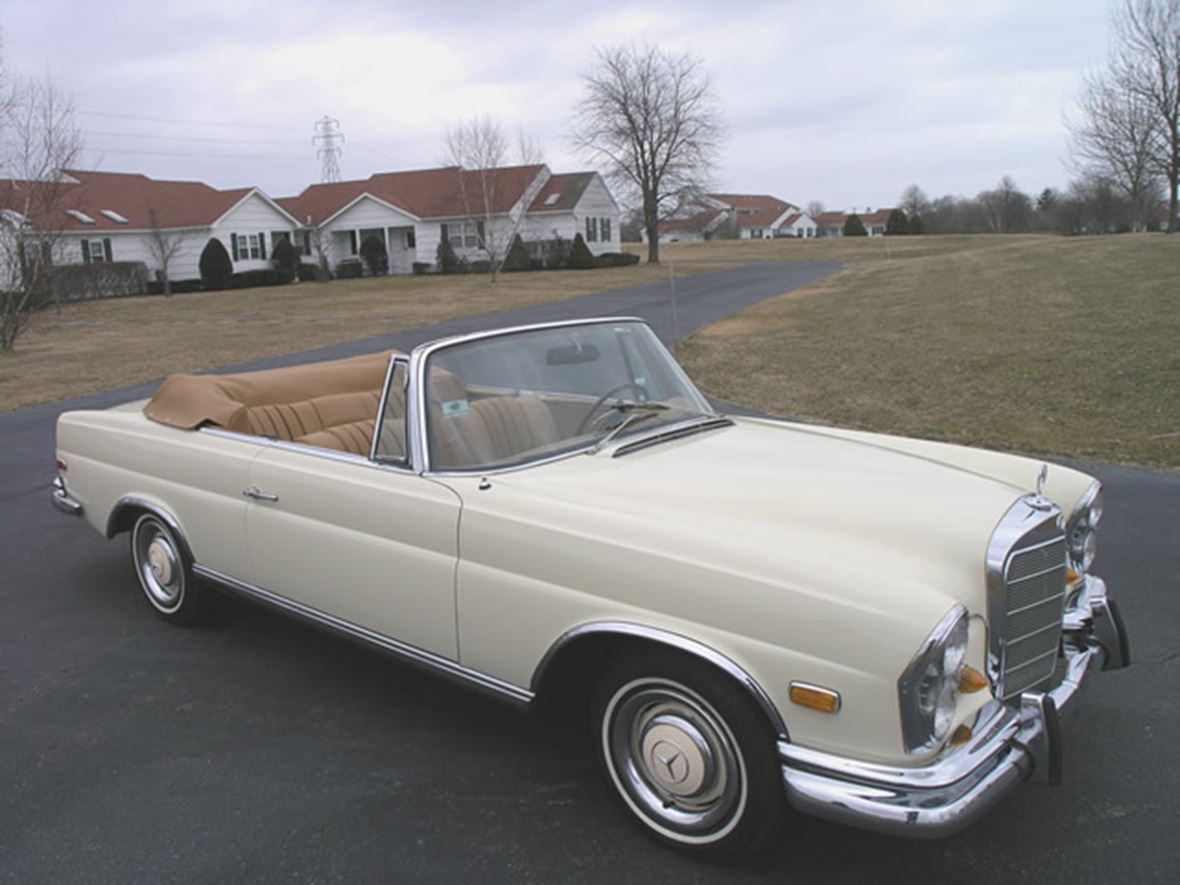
(329, 405)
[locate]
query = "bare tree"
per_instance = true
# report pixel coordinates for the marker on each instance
(651, 118)
(38, 141)
(1116, 138)
(914, 202)
(479, 148)
(163, 245)
(1146, 67)
(1008, 208)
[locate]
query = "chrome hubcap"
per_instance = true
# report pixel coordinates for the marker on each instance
(676, 756)
(159, 566)
(674, 760)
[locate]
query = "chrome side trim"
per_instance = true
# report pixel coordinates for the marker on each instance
(62, 500)
(270, 443)
(379, 640)
(672, 640)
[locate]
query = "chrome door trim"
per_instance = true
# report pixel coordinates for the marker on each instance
(369, 637)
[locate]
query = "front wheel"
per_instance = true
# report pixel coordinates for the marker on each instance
(164, 569)
(688, 755)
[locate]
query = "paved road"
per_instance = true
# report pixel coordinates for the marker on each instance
(255, 748)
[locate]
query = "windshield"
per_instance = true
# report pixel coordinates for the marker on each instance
(504, 400)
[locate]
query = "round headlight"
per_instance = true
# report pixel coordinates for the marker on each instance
(1083, 546)
(929, 687)
(1096, 508)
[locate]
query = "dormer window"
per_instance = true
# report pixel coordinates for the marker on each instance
(114, 216)
(552, 199)
(79, 215)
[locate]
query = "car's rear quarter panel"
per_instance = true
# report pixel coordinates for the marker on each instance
(197, 478)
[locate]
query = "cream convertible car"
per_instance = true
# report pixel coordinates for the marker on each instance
(882, 630)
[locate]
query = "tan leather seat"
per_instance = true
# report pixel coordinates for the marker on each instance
(491, 430)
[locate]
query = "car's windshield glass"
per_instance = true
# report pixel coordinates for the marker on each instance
(527, 395)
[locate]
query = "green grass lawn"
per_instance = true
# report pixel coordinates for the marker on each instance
(1036, 344)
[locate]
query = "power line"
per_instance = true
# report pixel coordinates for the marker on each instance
(207, 154)
(215, 139)
(327, 131)
(189, 122)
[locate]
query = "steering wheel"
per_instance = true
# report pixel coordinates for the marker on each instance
(639, 389)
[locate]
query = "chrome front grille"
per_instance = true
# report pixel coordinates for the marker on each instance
(1026, 597)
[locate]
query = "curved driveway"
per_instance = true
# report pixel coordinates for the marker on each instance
(255, 748)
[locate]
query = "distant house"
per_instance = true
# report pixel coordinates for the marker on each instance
(831, 224)
(102, 217)
(411, 212)
(744, 216)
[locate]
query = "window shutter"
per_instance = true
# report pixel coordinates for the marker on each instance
(106, 248)
(233, 246)
(352, 250)
(86, 251)
(306, 242)
(262, 244)
(445, 234)
(479, 232)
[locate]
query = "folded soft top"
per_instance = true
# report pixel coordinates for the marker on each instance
(250, 402)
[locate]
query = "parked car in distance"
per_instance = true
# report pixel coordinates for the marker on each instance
(879, 631)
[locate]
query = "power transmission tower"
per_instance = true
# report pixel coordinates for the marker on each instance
(327, 134)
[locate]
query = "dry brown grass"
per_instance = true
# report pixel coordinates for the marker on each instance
(102, 345)
(1037, 344)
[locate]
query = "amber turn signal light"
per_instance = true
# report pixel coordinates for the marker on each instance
(1072, 577)
(972, 681)
(961, 736)
(815, 698)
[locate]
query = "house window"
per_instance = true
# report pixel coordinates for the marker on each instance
(276, 236)
(463, 234)
(96, 251)
(247, 246)
(411, 240)
(306, 242)
(591, 230)
(605, 230)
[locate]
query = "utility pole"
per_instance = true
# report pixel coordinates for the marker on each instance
(327, 134)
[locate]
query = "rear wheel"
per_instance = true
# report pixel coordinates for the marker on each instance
(688, 754)
(164, 569)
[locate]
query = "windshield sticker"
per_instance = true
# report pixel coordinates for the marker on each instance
(454, 408)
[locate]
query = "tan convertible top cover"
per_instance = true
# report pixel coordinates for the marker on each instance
(188, 401)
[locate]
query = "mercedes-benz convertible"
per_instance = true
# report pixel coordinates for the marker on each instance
(881, 631)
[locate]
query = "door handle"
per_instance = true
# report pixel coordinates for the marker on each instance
(258, 495)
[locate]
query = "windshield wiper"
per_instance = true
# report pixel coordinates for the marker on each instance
(636, 412)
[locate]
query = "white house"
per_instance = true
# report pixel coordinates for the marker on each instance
(831, 224)
(111, 216)
(411, 212)
(744, 216)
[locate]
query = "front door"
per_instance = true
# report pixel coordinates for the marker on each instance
(372, 545)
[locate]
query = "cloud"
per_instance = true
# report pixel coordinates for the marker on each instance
(844, 102)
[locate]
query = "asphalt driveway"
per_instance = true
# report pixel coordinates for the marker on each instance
(255, 748)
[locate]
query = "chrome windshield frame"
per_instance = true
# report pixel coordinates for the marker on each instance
(416, 403)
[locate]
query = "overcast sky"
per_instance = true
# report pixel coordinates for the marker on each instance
(845, 102)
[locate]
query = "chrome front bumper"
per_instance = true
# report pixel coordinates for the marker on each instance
(1009, 744)
(62, 500)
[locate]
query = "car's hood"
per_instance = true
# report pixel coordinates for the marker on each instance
(855, 525)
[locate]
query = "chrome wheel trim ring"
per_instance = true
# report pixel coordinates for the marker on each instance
(159, 565)
(674, 761)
